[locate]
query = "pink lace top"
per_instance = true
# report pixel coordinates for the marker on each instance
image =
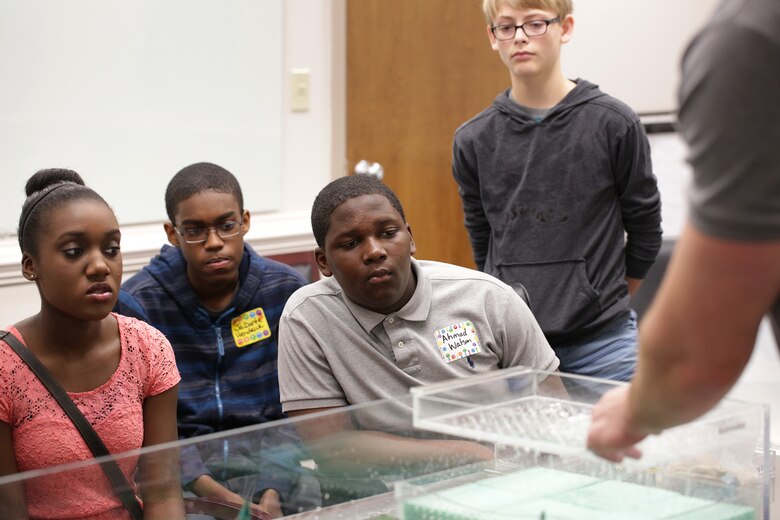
(44, 436)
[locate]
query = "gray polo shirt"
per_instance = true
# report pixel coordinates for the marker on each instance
(458, 322)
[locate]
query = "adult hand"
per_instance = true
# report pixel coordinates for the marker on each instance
(612, 435)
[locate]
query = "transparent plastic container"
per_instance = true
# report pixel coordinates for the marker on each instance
(714, 467)
(515, 438)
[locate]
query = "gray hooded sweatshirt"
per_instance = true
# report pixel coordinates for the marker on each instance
(563, 208)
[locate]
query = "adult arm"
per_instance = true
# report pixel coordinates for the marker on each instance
(465, 173)
(695, 340)
(159, 478)
(12, 499)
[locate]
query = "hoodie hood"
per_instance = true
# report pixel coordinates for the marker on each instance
(583, 92)
(169, 269)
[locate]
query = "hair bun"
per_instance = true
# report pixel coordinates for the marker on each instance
(43, 179)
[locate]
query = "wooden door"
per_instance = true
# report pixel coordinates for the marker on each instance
(416, 70)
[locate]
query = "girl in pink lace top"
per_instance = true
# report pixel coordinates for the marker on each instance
(119, 372)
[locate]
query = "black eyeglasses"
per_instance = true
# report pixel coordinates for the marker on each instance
(198, 235)
(532, 29)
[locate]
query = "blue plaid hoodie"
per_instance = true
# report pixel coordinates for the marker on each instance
(222, 386)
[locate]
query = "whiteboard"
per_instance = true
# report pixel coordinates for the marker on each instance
(632, 48)
(129, 92)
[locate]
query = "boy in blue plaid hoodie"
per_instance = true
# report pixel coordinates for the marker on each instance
(218, 302)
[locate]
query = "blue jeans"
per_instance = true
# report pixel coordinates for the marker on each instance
(612, 355)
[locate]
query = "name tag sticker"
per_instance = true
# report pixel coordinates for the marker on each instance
(457, 341)
(250, 327)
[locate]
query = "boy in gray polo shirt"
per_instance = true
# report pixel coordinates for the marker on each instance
(381, 322)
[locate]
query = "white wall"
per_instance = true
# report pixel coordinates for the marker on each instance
(674, 174)
(314, 144)
(631, 49)
(313, 152)
(121, 90)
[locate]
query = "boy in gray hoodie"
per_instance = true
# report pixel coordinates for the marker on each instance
(558, 192)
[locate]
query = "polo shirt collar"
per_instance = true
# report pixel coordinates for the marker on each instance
(416, 309)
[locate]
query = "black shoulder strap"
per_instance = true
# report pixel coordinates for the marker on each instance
(110, 467)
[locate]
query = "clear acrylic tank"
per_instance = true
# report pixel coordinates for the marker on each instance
(510, 444)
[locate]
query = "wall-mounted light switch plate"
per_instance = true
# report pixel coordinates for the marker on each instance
(299, 90)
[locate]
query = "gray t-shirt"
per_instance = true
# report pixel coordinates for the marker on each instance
(333, 352)
(730, 118)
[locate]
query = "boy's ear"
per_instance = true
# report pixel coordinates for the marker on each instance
(411, 237)
(492, 38)
(245, 218)
(322, 262)
(173, 235)
(567, 28)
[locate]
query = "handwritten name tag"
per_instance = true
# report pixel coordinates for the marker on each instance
(457, 341)
(250, 327)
